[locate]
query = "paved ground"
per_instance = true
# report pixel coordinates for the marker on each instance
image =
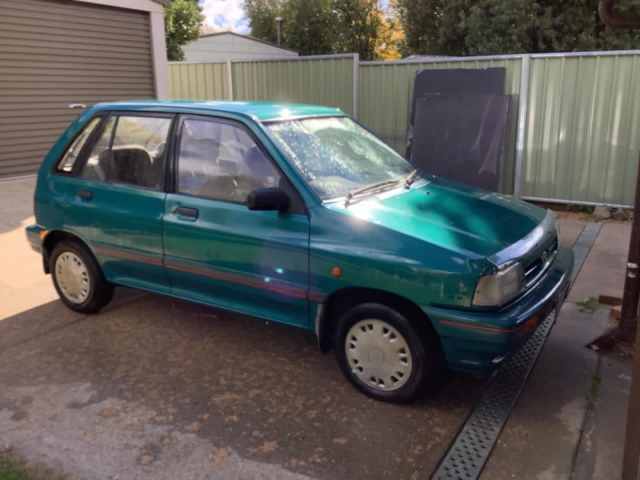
(158, 388)
(570, 420)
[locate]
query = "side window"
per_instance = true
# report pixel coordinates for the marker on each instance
(221, 161)
(130, 150)
(71, 155)
(95, 167)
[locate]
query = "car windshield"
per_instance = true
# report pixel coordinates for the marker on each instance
(335, 155)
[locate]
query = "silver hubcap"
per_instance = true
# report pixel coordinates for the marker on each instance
(378, 355)
(73, 277)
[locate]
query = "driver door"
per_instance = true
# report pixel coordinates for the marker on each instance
(219, 252)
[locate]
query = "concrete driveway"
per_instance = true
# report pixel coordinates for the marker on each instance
(155, 388)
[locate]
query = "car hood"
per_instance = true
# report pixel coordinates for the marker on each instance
(452, 216)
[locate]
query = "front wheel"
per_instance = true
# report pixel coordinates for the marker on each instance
(78, 279)
(383, 355)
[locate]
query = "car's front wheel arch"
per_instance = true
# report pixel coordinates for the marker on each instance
(344, 299)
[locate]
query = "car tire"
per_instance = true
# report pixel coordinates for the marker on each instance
(78, 278)
(383, 355)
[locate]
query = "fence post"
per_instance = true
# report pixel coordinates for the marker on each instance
(356, 86)
(523, 106)
(229, 80)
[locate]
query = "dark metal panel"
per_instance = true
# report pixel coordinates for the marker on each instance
(454, 80)
(487, 81)
(461, 137)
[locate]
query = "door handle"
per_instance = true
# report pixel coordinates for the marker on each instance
(85, 195)
(187, 212)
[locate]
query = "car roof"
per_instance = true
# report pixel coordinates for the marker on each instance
(261, 111)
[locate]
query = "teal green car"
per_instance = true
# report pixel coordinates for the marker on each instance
(297, 214)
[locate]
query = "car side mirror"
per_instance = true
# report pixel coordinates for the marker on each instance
(268, 199)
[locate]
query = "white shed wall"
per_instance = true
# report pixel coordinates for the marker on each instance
(223, 47)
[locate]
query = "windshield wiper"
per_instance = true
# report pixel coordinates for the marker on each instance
(412, 177)
(374, 187)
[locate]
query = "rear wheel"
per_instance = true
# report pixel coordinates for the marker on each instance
(78, 279)
(383, 355)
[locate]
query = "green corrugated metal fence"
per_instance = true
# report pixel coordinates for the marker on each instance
(321, 79)
(583, 128)
(198, 81)
(574, 131)
(325, 80)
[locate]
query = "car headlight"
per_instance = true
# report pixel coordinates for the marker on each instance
(500, 287)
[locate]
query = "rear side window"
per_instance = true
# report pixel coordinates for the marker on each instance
(71, 155)
(131, 150)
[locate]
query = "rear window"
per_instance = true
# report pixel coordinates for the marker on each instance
(71, 155)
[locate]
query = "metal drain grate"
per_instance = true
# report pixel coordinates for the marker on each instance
(583, 246)
(470, 450)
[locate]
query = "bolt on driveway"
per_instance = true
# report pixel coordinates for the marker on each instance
(157, 388)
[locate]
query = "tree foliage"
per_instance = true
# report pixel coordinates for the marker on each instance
(319, 26)
(182, 25)
(262, 18)
(357, 27)
(390, 37)
(307, 26)
(470, 27)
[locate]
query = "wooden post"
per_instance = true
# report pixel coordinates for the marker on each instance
(631, 295)
(628, 328)
(632, 437)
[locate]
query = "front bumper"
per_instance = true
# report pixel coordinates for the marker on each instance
(476, 341)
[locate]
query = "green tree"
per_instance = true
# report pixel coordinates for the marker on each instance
(262, 16)
(490, 26)
(358, 26)
(308, 26)
(319, 26)
(182, 25)
(472, 27)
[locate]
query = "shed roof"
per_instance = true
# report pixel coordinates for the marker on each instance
(248, 37)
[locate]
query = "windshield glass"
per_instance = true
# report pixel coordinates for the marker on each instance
(336, 155)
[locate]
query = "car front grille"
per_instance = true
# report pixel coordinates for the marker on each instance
(538, 267)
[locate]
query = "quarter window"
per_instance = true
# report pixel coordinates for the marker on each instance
(72, 153)
(130, 150)
(221, 161)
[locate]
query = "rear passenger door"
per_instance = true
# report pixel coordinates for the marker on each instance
(119, 197)
(218, 251)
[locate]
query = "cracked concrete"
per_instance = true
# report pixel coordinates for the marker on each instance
(114, 439)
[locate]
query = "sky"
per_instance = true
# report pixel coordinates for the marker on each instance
(229, 15)
(225, 15)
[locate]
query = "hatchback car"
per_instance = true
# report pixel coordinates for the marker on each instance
(299, 215)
